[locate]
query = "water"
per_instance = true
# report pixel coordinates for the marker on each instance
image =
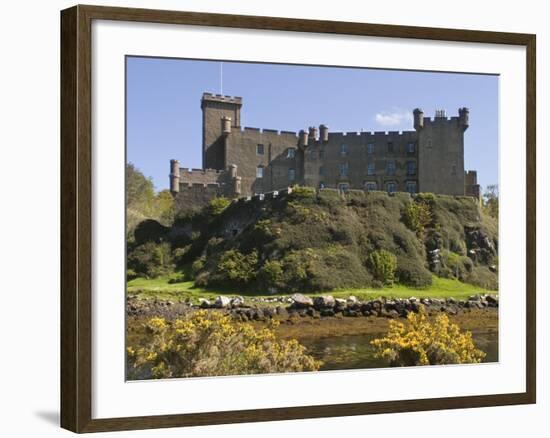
(355, 351)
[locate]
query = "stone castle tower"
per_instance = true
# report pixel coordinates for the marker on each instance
(243, 161)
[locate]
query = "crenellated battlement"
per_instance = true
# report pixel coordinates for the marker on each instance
(222, 98)
(251, 129)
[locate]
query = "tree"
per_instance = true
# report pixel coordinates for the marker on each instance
(490, 200)
(140, 191)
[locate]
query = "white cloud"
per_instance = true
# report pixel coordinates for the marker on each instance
(394, 117)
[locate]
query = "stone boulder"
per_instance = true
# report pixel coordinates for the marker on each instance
(300, 301)
(222, 302)
(204, 303)
(324, 302)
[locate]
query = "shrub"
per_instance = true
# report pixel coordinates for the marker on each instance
(198, 265)
(151, 260)
(412, 272)
(217, 205)
(212, 344)
(421, 342)
(271, 274)
(302, 193)
(383, 265)
(150, 230)
(417, 216)
(235, 268)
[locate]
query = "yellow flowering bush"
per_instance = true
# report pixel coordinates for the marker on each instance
(421, 342)
(212, 344)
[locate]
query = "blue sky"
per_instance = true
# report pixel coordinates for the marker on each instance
(164, 115)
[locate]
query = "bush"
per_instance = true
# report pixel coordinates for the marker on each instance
(271, 275)
(383, 265)
(417, 216)
(198, 265)
(212, 344)
(150, 260)
(235, 269)
(150, 230)
(412, 272)
(422, 342)
(217, 205)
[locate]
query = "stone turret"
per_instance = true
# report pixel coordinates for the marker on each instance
(174, 176)
(464, 118)
(303, 138)
(312, 133)
(323, 129)
(418, 119)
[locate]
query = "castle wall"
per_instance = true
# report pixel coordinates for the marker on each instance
(356, 151)
(195, 196)
(241, 150)
(441, 156)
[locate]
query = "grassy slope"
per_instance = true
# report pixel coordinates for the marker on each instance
(440, 288)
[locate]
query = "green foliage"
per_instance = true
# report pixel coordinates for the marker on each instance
(270, 275)
(412, 273)
(490, 201)
(198, 266)
(306, 243)
(417, 216)
(142, 203)
(150, 230)
(383, 265)
(212, 344)
(302, 193)
(150, 260)
(422, 342)
(218, 205)
(235, 269)
(140, 191)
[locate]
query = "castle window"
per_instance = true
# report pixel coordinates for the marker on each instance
(411, 147)
(321, 170)
(291, 174)
(453, 169)
(370, 168)
(313, 154)
(259, 149)
(290, 152)
(260, 172)
(343, 149)
(429, 143)
(390, 168)
(344, 169)
(370, 148)
(391, 187)
(390, 147)
(411, 168)
(411, 187)
(321, 152)
(370, 186)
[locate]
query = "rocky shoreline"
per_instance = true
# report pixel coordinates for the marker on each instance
(301, 306)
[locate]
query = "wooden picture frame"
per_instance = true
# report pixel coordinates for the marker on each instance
(76, 218)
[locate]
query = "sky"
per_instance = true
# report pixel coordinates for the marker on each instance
(164, 119)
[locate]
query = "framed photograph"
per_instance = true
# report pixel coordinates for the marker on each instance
(269, 219)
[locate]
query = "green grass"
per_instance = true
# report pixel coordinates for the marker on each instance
(440, 288)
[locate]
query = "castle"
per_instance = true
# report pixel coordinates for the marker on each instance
(240, 162)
